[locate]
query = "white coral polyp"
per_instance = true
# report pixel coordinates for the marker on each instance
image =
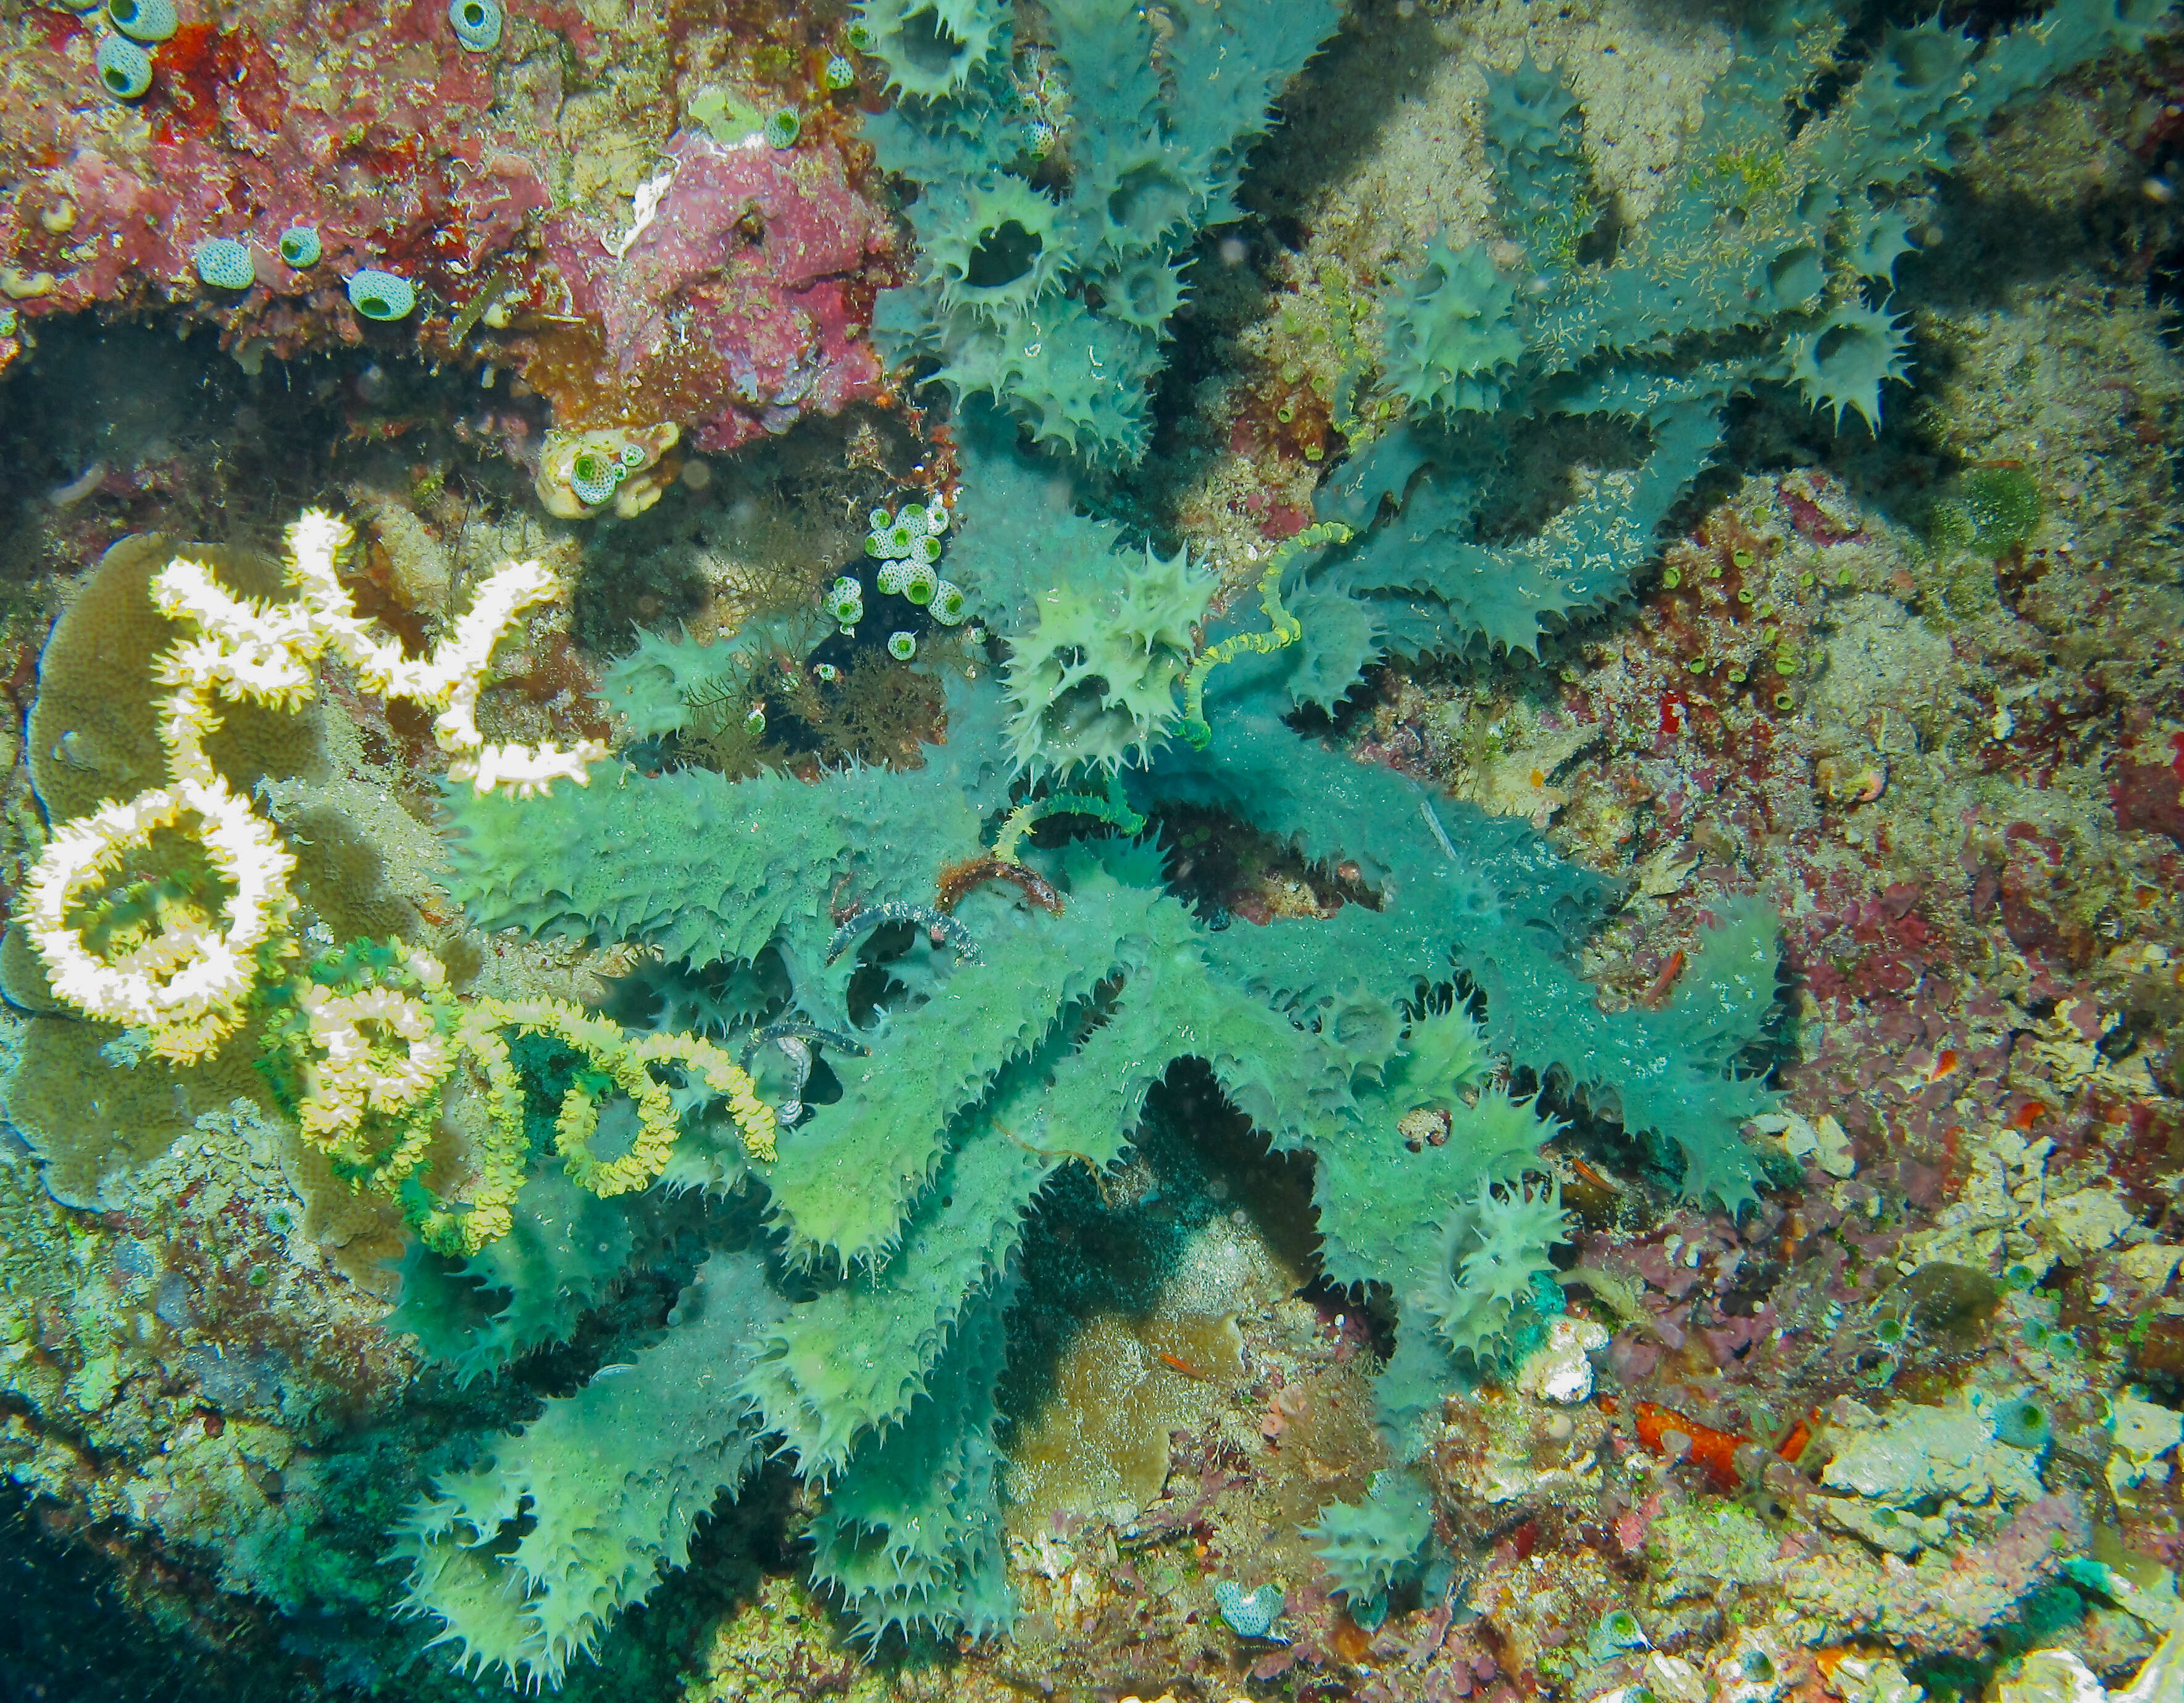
(197, 1005)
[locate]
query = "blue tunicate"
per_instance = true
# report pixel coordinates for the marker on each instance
(300, 246)
(782, 130)
(125, 69)
(379, 295)
(142, 20)
(477, 25)
(2022, 1423)
(1248, 1616)
(225, 264)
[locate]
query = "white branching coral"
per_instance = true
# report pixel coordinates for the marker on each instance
(185, 982)
(245, 648)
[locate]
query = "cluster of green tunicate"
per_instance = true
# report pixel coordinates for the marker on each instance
(595, 475)
(909, 542)
(845, 602)
(913, 535)
(914, 581)
(123, 62)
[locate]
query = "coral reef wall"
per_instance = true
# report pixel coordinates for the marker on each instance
(1220, 850)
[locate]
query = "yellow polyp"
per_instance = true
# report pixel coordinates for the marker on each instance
(1284, 628)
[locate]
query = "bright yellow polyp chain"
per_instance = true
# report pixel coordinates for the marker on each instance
(187, 985)
(389, 1051)
(628, 1060)
(1283, 629)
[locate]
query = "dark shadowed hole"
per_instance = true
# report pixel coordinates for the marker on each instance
(925, 42)
(1007, 253)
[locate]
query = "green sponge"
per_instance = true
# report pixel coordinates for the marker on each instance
(1095, 681)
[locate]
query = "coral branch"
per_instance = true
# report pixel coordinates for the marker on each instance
(187, 986)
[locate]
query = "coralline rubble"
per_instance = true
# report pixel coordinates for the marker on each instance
(278, 159)
(739, 299)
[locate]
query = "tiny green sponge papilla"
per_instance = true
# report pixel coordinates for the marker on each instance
(1096, 680)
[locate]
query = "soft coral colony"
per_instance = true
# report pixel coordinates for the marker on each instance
(999, 1004)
